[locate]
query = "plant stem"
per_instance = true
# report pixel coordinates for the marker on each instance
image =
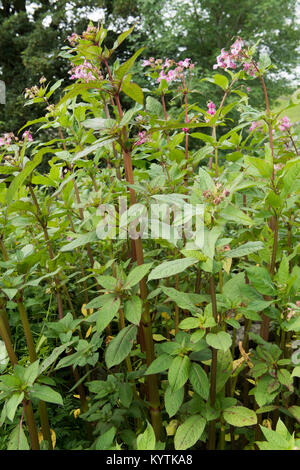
(34, 440)
(153, 390)
(213, 373)
(33, 357)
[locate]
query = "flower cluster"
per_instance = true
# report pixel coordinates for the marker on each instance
(256, 125)
(230, 60)
(32, 92)
(90, 32)
(28, 135)
(166, 73)
(278, 166)
(142, 138)
(7, 138)
(86, 72)
(284, 124)
(218, 196)
(73, 39)
(211, 108)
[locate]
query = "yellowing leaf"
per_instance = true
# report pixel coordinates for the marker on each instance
(53, 437)
(76, 413)
(86, 312)
(171, 427)
(227, 265)
(158, 337)
(89, 331)
(165, 315)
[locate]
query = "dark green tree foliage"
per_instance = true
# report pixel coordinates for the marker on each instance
(30, 42)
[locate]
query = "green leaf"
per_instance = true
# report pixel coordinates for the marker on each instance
(236, 215)
(189, 432)
(133, 309)
(124, 68)
(45, 393)
(4, 359)
(221, 340)
(179, 372)
(244, 250)
(264, 169)
(160, 364)
(106, 439)
(107, 313)
(21, 177)
(189, 323)
(260, 278)
(146, 441)
(240, 416)
(181, 299)
(173, 400)
(199, 380)
(206, 138)
(54, 355)
(170, 268)
(136, 275)
(134, 91)
(126, 394)
(121, 38)
(80, 241)
(153, 106)
(219, 80)
(119, 348)
(13, 403)
(31, 373)
(17, 439)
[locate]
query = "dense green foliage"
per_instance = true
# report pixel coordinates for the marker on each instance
(158, 342)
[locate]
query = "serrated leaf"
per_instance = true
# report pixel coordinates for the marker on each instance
(146, 441)
(189, 432)
(45, 393)
(119, 348)
(240, 416)
(173, 400)
(199, 380)
(221, 340)
(179, 372)
(170, 268)
(107, 313)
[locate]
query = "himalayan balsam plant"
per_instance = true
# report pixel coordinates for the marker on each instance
(115, 337)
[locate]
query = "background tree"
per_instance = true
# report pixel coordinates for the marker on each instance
(32, 34)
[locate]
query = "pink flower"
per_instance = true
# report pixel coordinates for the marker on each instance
(7, 138)
(142, 138)
(284, 124)
(278, 167)
(86, 72)
(171, 75)
(254, 125)
(145, 63)
(73, 39)
(211, 108)
(28, 135)
(224, 60)
(237, 47)
(184, 63)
